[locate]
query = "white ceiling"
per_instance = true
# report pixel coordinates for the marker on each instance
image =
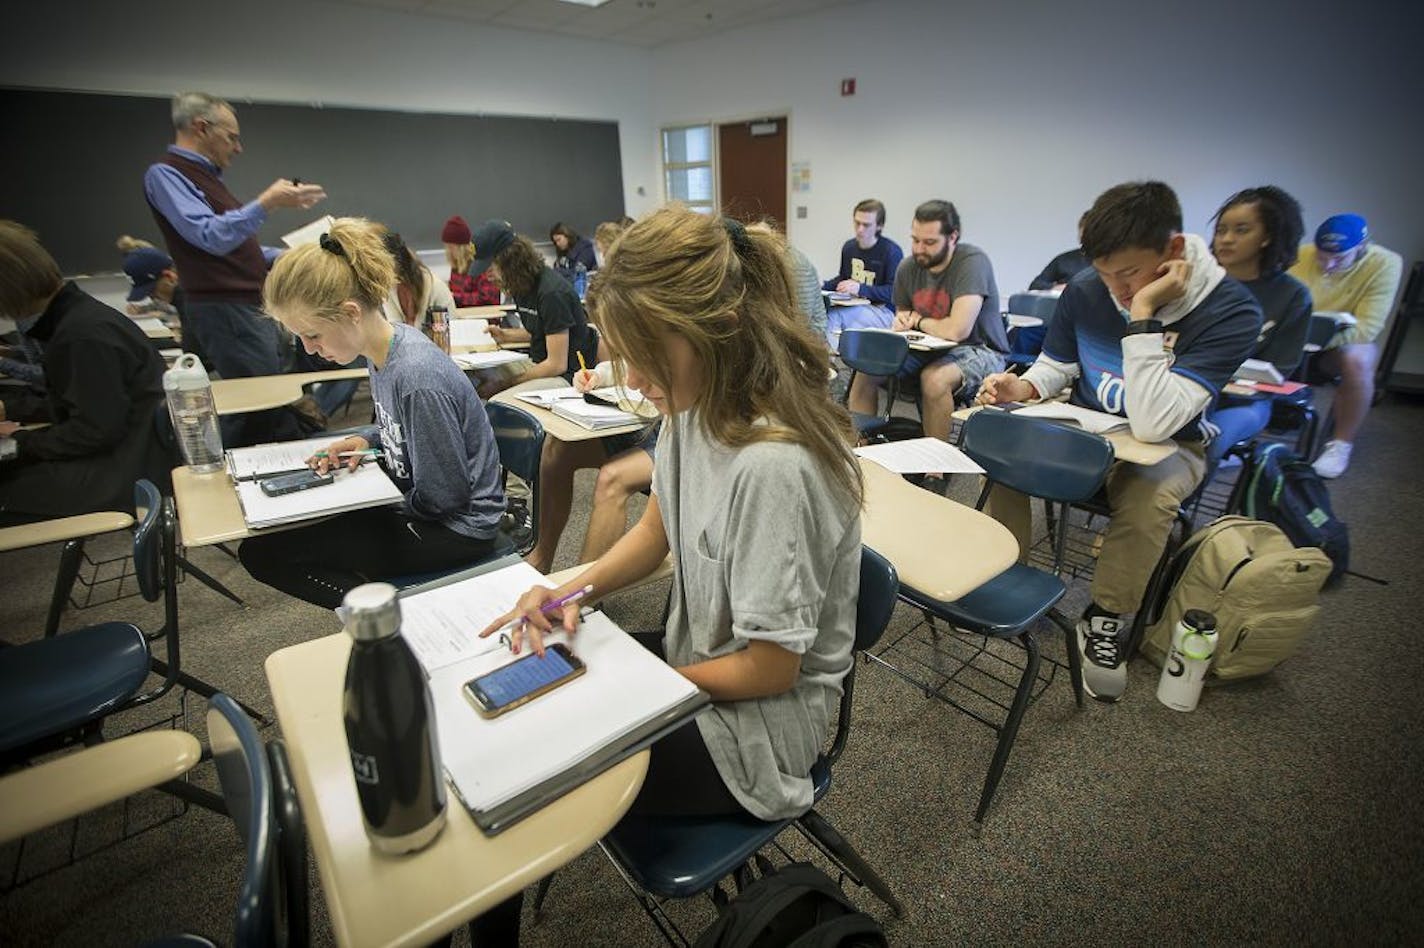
(637, 22)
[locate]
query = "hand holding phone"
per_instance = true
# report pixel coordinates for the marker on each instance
(523, 680)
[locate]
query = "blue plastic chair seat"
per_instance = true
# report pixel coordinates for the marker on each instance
(57, 684)
(678, 857)
(1001, 607)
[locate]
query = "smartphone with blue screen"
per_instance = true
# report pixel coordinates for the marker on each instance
(523, 680)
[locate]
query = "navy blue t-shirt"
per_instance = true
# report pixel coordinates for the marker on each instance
(1208, 344)
(873, 269)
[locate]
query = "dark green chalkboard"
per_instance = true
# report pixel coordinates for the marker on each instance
(73, 163)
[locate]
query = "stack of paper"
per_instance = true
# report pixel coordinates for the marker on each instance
(920, 456)
(367, 486)
(1098, 422)
(504, 767)
(471, 334)
(593, 417)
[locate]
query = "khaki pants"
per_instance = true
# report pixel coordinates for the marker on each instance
(1143, 500)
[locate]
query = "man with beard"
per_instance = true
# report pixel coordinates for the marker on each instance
(944, 289)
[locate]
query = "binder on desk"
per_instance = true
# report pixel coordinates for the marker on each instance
(593, 417)
(505, 768)
(367, 486)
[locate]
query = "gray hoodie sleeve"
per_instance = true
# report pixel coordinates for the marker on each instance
(440, 479)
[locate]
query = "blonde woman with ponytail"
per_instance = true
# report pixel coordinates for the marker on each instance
(431, 432)
(755, 493)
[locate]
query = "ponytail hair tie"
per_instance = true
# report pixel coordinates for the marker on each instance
(331, 246)
(741, 243)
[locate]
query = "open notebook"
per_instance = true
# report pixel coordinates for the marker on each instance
(1098, 422)
(505, 768)
(367, 486)
(593, 417)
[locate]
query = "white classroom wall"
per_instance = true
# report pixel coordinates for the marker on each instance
(1022, 112)
(336, 54)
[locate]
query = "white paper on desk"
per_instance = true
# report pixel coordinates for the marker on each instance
(1098, 422)
(367, 486)
(471, 333)
(490, 762)
(273, 458)
(151, 324)
(309, 233)
(487, 360)
(545, 397)
(593, 417)
(920, 456)
(442, 625)
(925, 341)
(1259, 370)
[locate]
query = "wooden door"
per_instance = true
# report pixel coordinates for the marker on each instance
(751, 164)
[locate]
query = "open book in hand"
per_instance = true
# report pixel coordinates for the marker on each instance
(367, 486)
(504, 768)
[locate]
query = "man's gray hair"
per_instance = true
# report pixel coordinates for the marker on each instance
(188, 106)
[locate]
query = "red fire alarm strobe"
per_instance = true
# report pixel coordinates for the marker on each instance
(847, 87)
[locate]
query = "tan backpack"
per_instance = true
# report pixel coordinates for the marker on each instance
(1263, 591)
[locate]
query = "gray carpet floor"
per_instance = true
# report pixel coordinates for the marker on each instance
(1283, 810)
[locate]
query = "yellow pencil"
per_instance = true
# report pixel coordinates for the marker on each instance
(582, 364)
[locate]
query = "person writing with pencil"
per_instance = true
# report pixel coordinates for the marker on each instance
(431, 434)
(757, 497)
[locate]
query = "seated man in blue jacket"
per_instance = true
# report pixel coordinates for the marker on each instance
(1152, 332)
(103, 383)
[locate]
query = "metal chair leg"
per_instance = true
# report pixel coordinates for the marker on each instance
(541, 893)
(815, 826)
(1010, 730)
(207, 580)
(198, 686)
(1075, 658)
(69, 558)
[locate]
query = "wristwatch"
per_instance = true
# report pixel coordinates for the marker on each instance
(918, 320)
(1142, 326)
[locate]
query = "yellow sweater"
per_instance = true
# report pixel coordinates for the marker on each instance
(1366, 290)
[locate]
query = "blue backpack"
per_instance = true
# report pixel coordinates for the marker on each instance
(1285, 490)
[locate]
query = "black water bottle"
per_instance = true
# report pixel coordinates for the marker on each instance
(390, 727)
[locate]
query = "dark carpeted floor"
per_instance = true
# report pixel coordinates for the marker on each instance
(1283, 810)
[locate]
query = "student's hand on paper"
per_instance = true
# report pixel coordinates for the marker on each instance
(283, 193)
(1171, 284)
(533, 623)
(498, 333)
(585, 381)
(848, 286)
(327, 459)
(1004, 387)
(904, 321)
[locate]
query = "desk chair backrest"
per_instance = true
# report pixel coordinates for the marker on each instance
(1322, 329)
(873, 351)
(520, 437)
(1032, 304)
(1037, 457)
(155, 556)
(245, 776)
(879, 589)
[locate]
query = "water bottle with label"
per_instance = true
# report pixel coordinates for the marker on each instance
(580, 279)
(194, 414)
(390, 727)
(1188, 658)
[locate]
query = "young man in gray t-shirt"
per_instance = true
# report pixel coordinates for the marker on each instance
(944, 289)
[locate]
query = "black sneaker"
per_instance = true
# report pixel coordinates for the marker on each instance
(1104, 671)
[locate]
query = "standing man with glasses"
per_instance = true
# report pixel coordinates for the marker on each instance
(212, 238)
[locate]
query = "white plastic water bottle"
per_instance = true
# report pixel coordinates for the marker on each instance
(195, 416)
(1184, 671)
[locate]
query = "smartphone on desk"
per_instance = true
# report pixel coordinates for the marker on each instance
(289, 483)
(522, 680)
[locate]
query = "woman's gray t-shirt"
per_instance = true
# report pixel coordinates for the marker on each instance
(766, 546)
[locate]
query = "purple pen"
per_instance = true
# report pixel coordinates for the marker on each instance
(548, 607)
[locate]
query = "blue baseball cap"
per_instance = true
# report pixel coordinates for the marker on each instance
(144, 266)
(1341, 233)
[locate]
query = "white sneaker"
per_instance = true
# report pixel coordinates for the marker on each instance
(1334, 459)
(1104, 671)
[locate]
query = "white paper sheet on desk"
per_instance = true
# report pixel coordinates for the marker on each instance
(367, 486)
(492, 761)
(1098, 422)
(309, 233)
(925, 341)
(151, 324)
(470, 332)
(273, 458)
(546, 397)
(442, 625)
(486, 360)
(920, 456)
(593, 417)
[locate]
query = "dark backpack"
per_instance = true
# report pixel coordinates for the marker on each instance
(1285, 490)
(796, 906)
